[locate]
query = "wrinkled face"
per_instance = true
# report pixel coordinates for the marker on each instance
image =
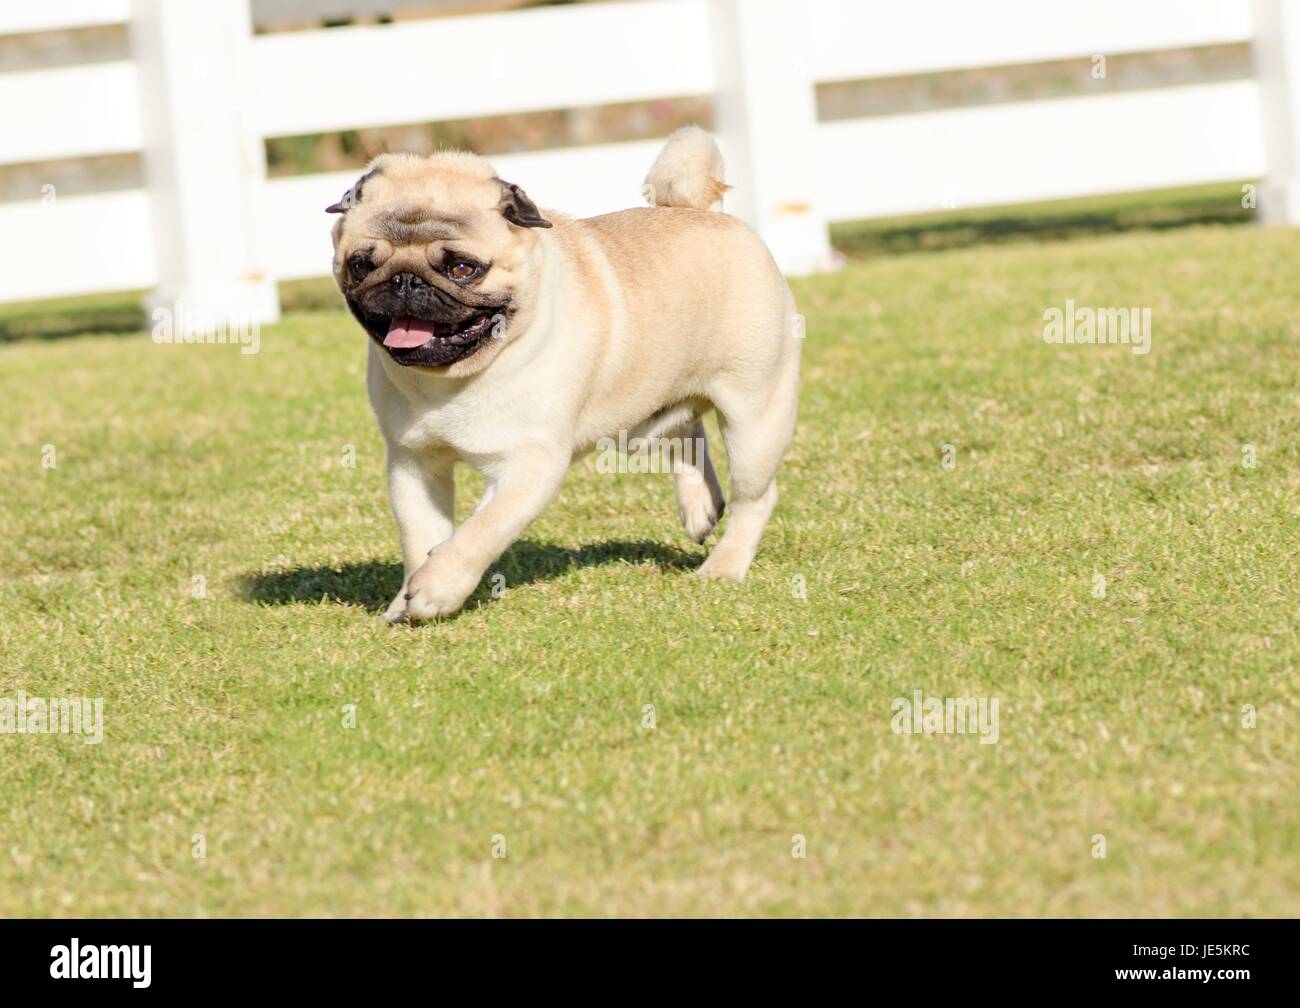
(434, 257)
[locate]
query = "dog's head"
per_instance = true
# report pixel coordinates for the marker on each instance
(435, 257)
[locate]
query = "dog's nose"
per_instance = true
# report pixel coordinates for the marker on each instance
(404, 282)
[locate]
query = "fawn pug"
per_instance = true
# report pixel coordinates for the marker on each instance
(512, 339)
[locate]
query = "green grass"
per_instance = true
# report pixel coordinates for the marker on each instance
(1048, 221)
(1120, 715)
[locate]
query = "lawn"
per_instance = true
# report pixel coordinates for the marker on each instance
(1155, 707)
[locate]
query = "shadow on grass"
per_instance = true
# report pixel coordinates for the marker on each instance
(373, 583)
(115, 314)
(125, 314)
(1044, 222)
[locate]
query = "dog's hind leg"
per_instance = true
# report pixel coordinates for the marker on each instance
(678, 431)
(699, 495)
(756, 440)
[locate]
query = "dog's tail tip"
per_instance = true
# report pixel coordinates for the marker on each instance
(687, 173)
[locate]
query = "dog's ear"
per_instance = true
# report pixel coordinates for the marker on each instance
(352, 197)
(519, 209)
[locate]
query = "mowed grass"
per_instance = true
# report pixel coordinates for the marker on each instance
(523, 720)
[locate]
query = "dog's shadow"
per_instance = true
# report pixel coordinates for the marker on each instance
(373, 583)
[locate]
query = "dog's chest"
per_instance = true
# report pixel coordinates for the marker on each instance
(475, 422)
(465, 428)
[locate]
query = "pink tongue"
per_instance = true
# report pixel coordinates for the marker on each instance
(405, 332)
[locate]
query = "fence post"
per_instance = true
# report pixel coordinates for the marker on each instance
(766, 116)
(205, 165)
(1276, 48)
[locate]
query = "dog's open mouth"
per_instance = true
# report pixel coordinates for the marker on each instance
(423, 343)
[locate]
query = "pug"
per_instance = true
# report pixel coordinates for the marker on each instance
(513, 339)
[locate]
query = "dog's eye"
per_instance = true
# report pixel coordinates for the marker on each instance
(359, 265)
(462, 269)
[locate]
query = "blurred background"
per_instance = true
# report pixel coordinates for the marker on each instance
(160, 151)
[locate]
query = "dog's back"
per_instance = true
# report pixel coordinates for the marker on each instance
(685, 298)
(682, 241)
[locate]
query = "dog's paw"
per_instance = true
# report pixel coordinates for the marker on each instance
(698, 511)
(396, 611)
(437, 589)
(725, 564)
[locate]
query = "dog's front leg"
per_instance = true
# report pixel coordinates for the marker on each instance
(422, 492)
(522, 487)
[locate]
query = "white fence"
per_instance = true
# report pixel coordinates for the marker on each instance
(202, 92)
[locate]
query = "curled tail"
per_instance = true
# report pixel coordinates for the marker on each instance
(687, 172)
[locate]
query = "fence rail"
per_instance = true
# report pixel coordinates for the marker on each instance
(855, 40)
(482, 65)
(202, 92)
